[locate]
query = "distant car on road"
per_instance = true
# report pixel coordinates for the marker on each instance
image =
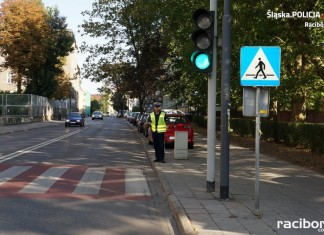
(74, 118)
(97, 115)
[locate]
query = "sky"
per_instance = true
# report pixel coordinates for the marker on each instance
(72, 9)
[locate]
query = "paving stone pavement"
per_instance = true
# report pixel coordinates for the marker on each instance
(288, 193)
(291, 196)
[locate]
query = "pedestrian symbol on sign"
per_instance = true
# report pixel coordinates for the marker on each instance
(261, 66)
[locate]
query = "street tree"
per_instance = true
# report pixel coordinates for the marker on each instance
(132, 26)
(94, 105)
(133, 36)
(182, 82)
(23, 36)
(50, 80)
(118, 100)
(302, 65)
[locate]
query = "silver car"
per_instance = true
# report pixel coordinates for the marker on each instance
(97, 115)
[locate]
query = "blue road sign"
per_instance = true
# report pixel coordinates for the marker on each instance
(260, 66)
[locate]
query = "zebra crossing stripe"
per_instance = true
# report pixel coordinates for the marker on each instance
(43, 183)
(135, 183)
(11, 173)
(71, 181)
(91, 181)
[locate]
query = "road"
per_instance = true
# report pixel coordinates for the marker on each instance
(91, 180)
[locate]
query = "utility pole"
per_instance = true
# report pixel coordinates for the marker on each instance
(211, 122)
(225, 100)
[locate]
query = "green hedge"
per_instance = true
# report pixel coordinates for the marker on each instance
(306, 135)
(200, 120)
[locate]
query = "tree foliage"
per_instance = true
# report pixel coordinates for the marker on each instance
(119, 102)
(23, 34)
(302, 65)
(51, 81)
(148, 48)
(134, 54)
(94, 106)
(34, 42)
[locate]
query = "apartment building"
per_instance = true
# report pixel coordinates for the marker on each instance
(72, 69)
(6, 79)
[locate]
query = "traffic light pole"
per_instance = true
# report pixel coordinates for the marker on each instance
(211, 122)
(225, 100)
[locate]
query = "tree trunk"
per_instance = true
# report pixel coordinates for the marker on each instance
(141, 104)
(298, 111)
(19, 83)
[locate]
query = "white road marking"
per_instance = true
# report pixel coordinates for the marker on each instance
(45, 181)
(29, 149)
(11, 173)
(91, 181)
(135, 183)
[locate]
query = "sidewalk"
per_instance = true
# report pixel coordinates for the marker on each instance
(288, 193)
(27, 126)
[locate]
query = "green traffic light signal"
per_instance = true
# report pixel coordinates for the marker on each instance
(203, 39)
(201, 60)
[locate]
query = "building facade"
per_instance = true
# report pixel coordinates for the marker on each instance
(6, 79)
(77, 97)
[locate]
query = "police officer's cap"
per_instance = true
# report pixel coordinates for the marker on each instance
(157, 104)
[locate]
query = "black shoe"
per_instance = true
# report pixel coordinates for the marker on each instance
(162, 161)
(156, 160)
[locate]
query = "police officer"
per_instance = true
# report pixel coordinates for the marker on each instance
(158, 126)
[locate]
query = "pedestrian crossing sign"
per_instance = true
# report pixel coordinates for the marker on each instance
(260, 66)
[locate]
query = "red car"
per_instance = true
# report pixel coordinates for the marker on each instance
(178, 122)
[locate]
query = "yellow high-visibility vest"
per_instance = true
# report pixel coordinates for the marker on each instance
(161, 125)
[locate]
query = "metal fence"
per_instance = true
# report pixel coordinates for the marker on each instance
(24, 108)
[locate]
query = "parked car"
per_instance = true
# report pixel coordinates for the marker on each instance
(97, 115)
(138, 119)
(141, 121)
(146, 126)
(173, 111)
(133, 118)
(178, 122)
(128, 116)
(74, 118)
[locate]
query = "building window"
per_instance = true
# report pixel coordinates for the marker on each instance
(10, 77)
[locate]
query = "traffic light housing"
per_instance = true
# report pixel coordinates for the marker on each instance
(203, 38)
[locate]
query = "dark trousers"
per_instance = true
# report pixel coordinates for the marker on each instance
(158, 142)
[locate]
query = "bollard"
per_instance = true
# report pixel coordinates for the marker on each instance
(181, 145)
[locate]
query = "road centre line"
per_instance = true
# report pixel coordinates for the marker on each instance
(29, 149)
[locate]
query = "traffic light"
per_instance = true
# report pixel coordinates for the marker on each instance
(203, 39)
